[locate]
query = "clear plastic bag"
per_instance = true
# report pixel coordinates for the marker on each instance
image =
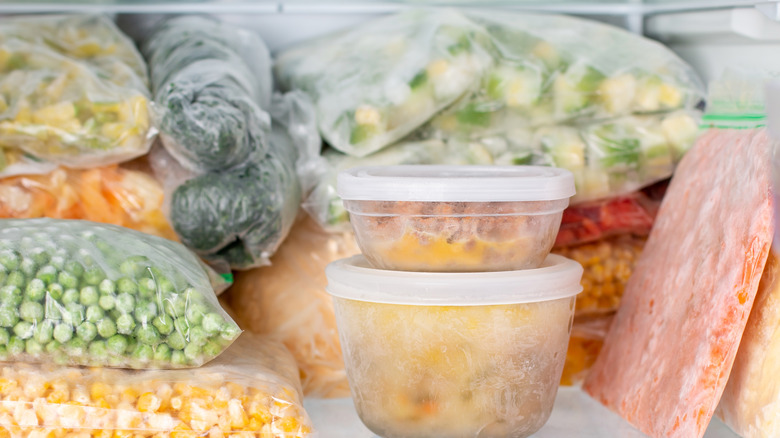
(73, 92)
(83, 293)
(287, 301)
(587, 337)
(374, 84)
(251, 390)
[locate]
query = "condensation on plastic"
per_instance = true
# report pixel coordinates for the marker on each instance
(587, 338)
(83, 293)
(74, 92)
(251, 390)
(374, 84)
(287, 301)
(550, 69)
(420, 371)
(607, 158)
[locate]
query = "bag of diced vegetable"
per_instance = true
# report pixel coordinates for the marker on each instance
(82, 293)
(73, 92)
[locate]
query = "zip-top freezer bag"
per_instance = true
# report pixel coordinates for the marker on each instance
(251, 390)
(376, 83)
(73, 92)
(550, 69)
(83, 293)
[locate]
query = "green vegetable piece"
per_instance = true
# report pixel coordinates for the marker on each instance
(198, 336)
(106, 302)
(39, 256)
(9, 294)
(147, 334)
(35, 290)
(48, 274)
(108, 287)
(106, 328)
(74, 314)
(147, 287)
(10, 260)
(76, 347)
(74, 268)
(95, 314)
(212, 323)
(63, 332)
(145, 311)
(164, 286)
(175, 306)
(98, 350)
(31, 311)
(94, 275)
(53, 347)
(43, 332)
(68, 280)
(134, 267)
(58, 261)
(211, 349)
(55, 291)
(3, 275)
(33, 347)
(230, 331)
(125, 324)
(70, 296)
(192, 352)
(88, 296)
(117, 344)
(3, 352)
(9, 316)
(52, 309)
(178, 358)
(4, 337)
(361, 133)
(125, 303)
(143, 352)
(162, 353)
(86, 331)
(28, 267)
(163, 324)
(176, 341)
(23, 330)
(15, 278)
(195, 314)
(15, 346)
(419, 80)
(474, 114)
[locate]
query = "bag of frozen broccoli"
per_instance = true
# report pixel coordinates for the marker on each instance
(374, 84)
(82, 293)
(73, 92)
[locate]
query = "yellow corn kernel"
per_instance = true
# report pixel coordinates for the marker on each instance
(288, 424)
(148, 402)
(57, 396)
(437, 68)
(99, 390)
(238, 418)
(670, 96)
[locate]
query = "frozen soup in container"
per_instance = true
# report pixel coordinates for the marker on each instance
(455, 218)
(452, 355)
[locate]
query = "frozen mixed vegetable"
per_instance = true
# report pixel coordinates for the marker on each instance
(73, 91)
(374, 84)
(83, 293)
(251, 390)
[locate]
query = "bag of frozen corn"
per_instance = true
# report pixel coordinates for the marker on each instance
(73, 92)
(251, 390)
(82, 293)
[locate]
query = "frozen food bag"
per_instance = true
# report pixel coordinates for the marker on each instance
(607, 264)
(73, 92)
(83, 293)
(550, 69)
(670, 350)
(251, 390)
(376, 83)
(110, 194)
(287, 301)
(585, 342)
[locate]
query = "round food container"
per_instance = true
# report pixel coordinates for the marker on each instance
(455, 218)
(454, 354)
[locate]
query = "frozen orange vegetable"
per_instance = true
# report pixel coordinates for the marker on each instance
(110, 194)
(670, 349)
(587, 338)
(252, 390)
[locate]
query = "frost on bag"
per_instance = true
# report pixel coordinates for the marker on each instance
(607, 158)
(73, 92)
(251, 390)
(552, 68)
(230, 175)
(374, 84)
(287, 301)
(83, 293)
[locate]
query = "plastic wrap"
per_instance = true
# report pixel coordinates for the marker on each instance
(374, 84)
(73, 92)
(287, 301)
(607, 158)
(251, 390)
(83, 293)
(111, 194)
(587, 337)
(555, 68)
(608, 264)
(232, 191)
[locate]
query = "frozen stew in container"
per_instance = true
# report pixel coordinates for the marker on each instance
(454, 354)
(455, 218)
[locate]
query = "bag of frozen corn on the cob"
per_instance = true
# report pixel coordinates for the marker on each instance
(251, 390)
(73, 92)
(83, 293)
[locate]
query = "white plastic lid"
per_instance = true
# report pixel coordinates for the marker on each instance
(354, 279)
(455, 183)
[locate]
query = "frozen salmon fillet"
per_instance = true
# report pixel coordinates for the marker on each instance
(669, 352)
(750, 404)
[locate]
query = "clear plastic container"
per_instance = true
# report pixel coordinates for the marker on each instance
(455, 218)
(454, 354)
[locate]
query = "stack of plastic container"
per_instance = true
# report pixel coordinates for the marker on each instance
(455, 320)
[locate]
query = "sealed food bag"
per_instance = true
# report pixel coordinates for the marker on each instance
(607, 265)
(374, 84)
(73, 92)
(83, 293)
(110, 194)
(550, 69)
(587, 338)
(287, 301)
(251, 390)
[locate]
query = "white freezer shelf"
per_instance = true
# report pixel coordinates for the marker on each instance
(575, 414)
